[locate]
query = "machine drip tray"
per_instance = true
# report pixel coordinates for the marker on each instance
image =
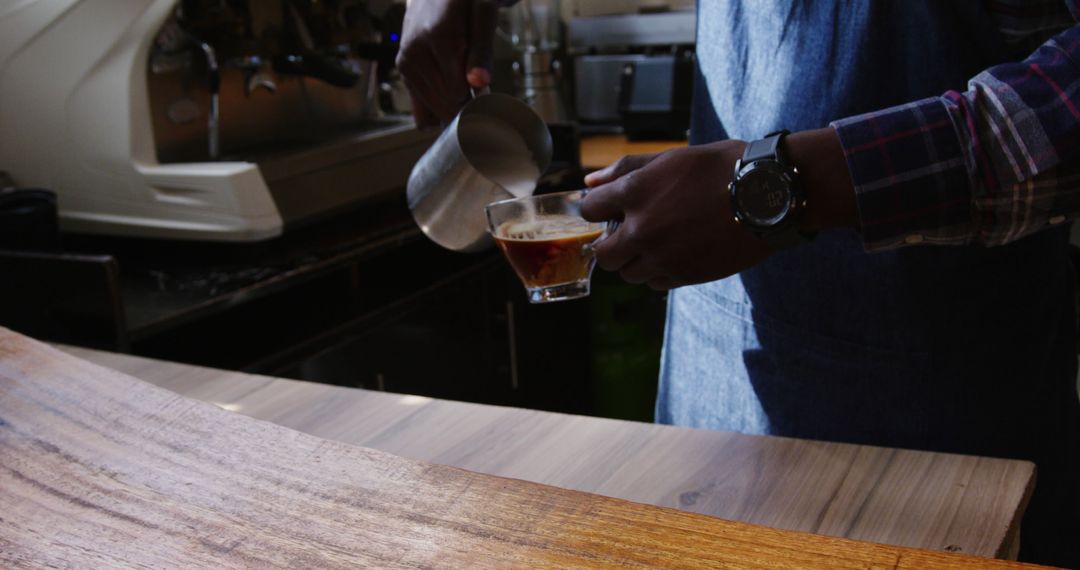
(310, 181)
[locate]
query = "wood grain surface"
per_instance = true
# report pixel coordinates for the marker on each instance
(99, 469)
(937, 501)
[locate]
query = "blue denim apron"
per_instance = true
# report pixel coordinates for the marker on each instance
(958, 349)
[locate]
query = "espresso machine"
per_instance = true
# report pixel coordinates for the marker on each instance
(208, 120)
(633, 73)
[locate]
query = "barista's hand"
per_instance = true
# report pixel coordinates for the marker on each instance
(446, 47)
(677, 224)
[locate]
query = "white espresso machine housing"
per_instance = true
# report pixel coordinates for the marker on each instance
(76, 118)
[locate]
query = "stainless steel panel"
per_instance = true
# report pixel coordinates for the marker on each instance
(668, 28)
(597, 80)
(320, 179)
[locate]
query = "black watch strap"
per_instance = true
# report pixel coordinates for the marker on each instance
(766, 147)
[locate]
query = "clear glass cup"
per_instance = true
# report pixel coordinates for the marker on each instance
(547, 242)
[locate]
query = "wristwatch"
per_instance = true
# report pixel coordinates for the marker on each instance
(766, 195)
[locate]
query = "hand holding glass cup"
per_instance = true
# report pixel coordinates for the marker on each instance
(547, 242)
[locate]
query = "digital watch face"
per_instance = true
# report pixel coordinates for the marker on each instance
(763, 197)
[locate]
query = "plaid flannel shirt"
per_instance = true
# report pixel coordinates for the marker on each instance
(988, 165)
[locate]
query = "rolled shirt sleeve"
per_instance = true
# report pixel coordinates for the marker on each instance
(988, 165)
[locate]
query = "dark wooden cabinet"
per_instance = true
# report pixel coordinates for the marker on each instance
(366, 301)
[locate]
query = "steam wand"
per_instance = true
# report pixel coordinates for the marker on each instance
(213, 84)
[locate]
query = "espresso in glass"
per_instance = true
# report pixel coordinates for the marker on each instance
(547, 243)
(549, 251)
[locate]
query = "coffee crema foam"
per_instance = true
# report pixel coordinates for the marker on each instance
(546, 228)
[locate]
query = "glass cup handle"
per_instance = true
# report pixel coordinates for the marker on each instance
(588, 249)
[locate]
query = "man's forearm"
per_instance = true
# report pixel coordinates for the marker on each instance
(830, 195)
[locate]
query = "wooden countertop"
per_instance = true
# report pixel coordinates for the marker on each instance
(907, 498)
(99, 469)
(598, 151)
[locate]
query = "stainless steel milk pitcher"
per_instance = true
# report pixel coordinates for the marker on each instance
(495, 148)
